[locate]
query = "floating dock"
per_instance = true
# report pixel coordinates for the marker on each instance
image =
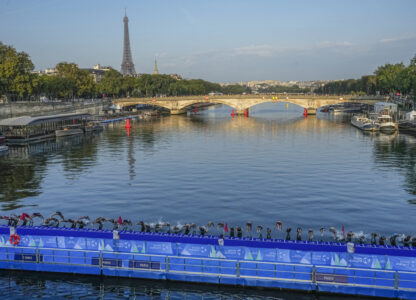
(383, 271)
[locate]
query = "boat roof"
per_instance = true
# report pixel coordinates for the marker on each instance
(28, 120)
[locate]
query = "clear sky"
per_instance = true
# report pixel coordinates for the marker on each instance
(217, 40)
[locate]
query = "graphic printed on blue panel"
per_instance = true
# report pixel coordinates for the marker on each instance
(194, 250)
(70, 242)
(300, 257)
(4, 240)
(321, 258)
(92, 244)
(367, 261)
(283, 255)
(339, 259)
(259, 254)
(38, 241)
(216, 252)
(231, 252)
(401, 263)
(158, 248)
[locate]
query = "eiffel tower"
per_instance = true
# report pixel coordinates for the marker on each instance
(127, 66)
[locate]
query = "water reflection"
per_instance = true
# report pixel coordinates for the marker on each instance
(20, 178)
(272, 164)
(398, 152)
(19, 285)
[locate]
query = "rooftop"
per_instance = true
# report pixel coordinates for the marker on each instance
(28, 120)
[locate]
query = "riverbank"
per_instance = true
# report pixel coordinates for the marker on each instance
(17, 109)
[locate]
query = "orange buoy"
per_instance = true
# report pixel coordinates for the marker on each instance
(232, 113)
(127, 124)
(305, 113)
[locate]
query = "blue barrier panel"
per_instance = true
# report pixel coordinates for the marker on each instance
(61, 256)
(111, 260)
(125, 258)
(248, 269)
(193, 265)
(211, 266)
(364, 277)
(77, 257)
(266, 270)
(47, 254)
(407, 280)
(159, 261)
(285, 271)
(303, 272)
(228, 267)
(176, 264)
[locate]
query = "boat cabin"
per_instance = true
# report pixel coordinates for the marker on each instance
(26, 128)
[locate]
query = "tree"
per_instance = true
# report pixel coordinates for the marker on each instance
(111, 84)
(15, 72)
(388, 77)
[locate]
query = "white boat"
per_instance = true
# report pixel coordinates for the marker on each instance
(364, 123)
(69, 130)
(3, 148)
(386, 123)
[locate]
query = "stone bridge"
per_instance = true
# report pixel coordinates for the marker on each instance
(179, 105)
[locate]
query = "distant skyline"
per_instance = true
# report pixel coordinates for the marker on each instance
(220, 41)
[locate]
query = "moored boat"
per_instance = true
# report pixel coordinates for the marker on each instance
(409, 124)
(69, 130)
(3, 149)
(93, 127)
(386, 123)
(364, 123)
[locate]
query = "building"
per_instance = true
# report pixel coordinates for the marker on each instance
(51, 71)
(103, 68)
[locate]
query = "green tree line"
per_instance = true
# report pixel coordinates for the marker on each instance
(17, 81)
(387, 79)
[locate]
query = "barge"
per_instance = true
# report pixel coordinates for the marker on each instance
(370, 270)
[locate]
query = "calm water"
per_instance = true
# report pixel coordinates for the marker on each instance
(274, 165)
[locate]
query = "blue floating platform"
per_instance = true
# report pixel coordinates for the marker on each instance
(383, 271)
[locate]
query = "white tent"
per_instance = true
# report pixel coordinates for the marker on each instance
(411, 115)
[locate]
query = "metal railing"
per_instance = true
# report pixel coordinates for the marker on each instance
(288, 272)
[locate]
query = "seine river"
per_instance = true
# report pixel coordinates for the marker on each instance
(275, 165)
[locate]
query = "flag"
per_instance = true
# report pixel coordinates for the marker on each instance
(120, 221)
(343, 231)
(226, 227)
